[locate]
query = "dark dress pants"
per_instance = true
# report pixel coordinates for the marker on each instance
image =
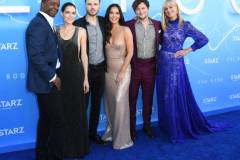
(50, 128)
(143, 74)
(96, 81)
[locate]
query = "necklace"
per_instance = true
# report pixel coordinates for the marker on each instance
(67, 32)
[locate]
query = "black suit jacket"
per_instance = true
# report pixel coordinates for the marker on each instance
(82, 22)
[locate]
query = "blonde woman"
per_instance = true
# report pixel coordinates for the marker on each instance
(179, 114)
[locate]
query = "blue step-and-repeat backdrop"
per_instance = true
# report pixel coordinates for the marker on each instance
(214, 70)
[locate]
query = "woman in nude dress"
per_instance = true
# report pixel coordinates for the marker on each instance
(119, 51)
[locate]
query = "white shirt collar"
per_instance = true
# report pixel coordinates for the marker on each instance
(48, 18)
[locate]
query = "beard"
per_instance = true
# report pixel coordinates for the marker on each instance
(92, 14)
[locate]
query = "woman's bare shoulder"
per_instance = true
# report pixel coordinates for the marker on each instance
(81, 29)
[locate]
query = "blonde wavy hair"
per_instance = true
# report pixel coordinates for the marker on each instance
(164, 17)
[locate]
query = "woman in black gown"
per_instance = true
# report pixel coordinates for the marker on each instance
(72, 41)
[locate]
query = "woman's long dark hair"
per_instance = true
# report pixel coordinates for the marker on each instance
(109, 24)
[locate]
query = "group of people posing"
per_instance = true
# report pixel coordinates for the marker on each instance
(83, 60)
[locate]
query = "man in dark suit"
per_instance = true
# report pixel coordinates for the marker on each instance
(94, 26)
(43, 62)
(146, 36)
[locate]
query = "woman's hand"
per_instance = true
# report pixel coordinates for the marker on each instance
(120, 77)
(183, 52)
(85, 86)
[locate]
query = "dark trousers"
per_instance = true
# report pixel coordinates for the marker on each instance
(96, 77)
(50, 128)
(143, 74)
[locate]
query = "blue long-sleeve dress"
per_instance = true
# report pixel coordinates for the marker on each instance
(179, 114)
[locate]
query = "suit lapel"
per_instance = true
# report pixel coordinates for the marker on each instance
(132, 26)
(156, 28)
(42, 17)
(54, 35)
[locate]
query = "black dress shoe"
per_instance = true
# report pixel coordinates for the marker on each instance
(148, 131)
(97, 139)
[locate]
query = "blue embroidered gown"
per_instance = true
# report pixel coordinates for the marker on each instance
(178, 112)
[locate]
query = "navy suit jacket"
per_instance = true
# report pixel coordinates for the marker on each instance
(43, 52)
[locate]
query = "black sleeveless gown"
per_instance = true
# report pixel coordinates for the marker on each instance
(76, 141)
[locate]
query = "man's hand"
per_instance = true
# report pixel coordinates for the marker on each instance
(57, 83)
